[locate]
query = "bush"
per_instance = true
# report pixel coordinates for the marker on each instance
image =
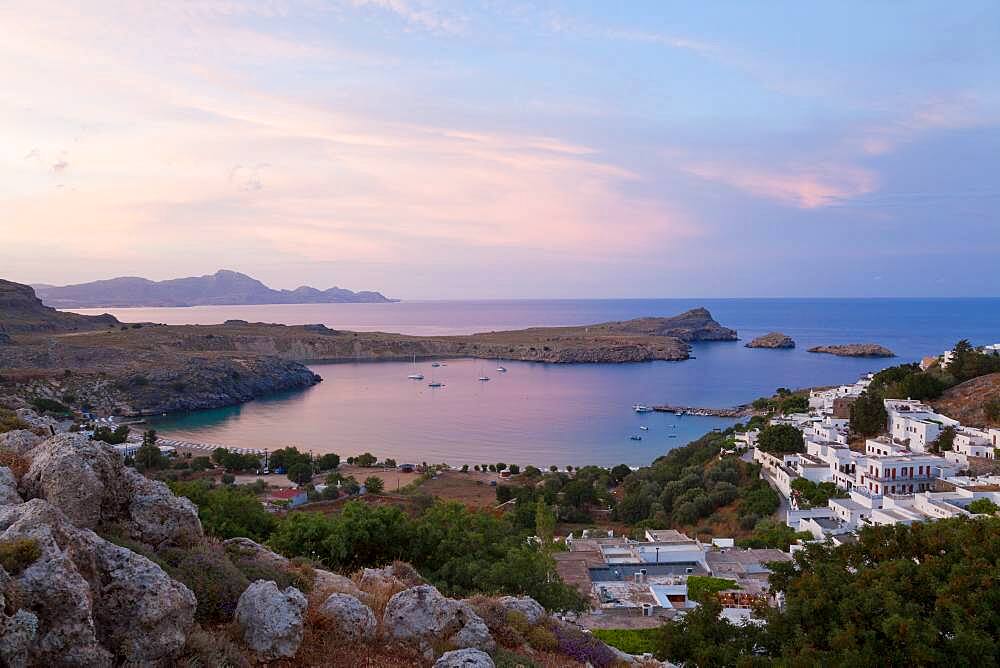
(702, 586)
(10, 422)
(45, 405)
(780, 439)
(583, 647)
(982, 507)
(542, 639)
(18, 554)
(215, 581)
(300, 473)
(374, 484)
(204, 648)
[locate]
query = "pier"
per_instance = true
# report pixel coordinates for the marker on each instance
(735, 412)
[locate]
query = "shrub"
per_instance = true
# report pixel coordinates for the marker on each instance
(211, 649)
(542, 639)
(780, 438)
(215, 581)
(9, 421)
(18, 554)
(374, 484)
(632, 641)
(45, 405)
(583, 647)
(982, 507)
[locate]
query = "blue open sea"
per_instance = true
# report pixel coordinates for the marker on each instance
(546, 414)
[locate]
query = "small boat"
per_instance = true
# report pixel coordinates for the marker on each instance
(635, 437)
(644, 428)
(671, 435)
(639, 408)
(435, 384)
(484, 378)
(435, 364)
(416, 375)
(500, 367)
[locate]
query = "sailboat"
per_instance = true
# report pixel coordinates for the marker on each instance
(416, 375)
(482, 376)
(500, 367)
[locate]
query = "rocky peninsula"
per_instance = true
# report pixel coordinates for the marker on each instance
(145, 368)
(772, 340)
(854, 350)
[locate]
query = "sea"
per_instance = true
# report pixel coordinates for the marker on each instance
(556, 414)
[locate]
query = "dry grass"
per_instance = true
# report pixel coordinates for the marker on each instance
(17, 464)
(379, 592)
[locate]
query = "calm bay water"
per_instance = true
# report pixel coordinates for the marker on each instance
(541, 414)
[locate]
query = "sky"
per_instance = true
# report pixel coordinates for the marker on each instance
(487, 149)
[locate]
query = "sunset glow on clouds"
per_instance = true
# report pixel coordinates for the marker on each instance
(432, 149)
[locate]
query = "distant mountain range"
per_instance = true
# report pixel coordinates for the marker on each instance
(222, 287)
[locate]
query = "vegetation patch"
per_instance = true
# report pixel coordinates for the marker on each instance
(18, 554)
(632, 641)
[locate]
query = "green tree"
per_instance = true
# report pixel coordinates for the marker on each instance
(328, 462)
(116, 437)
(781, 438)
(945, 440)
(366, 460)
(514, 469)
(545, 524)
(983, 507)
(300, 473)
(868, 416)
(148, 457)
(795, 404)
(374, 484)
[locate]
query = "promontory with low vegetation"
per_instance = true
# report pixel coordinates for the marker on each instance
(772, 340)
(146, 368)
(854, 350)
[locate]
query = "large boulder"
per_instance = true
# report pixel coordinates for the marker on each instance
(350, 619)
(422, 617)
(8, 487)
(156, 516)
(19, 441)
(139, 610)
(526, 606)
(96, 604)
(81, 477)
(465, 658)
(89, 482)
(271, 619)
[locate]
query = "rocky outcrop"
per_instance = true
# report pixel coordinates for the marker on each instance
(395, 574)
(772, 340)
(350, 619)
(272, 620)
(527, 607)
(89, 482)
(19, 441)
(422, 618)
(95, 603)
(8, 488)
(465, 658)
(156, 516)
(855, 350)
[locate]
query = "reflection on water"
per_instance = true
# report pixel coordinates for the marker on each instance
(551, 414)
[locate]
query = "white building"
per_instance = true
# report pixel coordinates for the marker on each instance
(973, 442)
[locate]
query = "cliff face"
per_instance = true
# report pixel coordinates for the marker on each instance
(222, 287)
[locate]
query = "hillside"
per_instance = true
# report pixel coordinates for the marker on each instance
(222, 287)
(22, 312)
(966, 402)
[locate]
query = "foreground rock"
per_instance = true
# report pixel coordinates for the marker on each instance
(324, 582)
(352, 620)
(19, 441)
(772, 340)
(465, 658)
(89, 482)
(272, 620)
(421, 617)
(855, 350)
(529, 608)
(95, 603)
